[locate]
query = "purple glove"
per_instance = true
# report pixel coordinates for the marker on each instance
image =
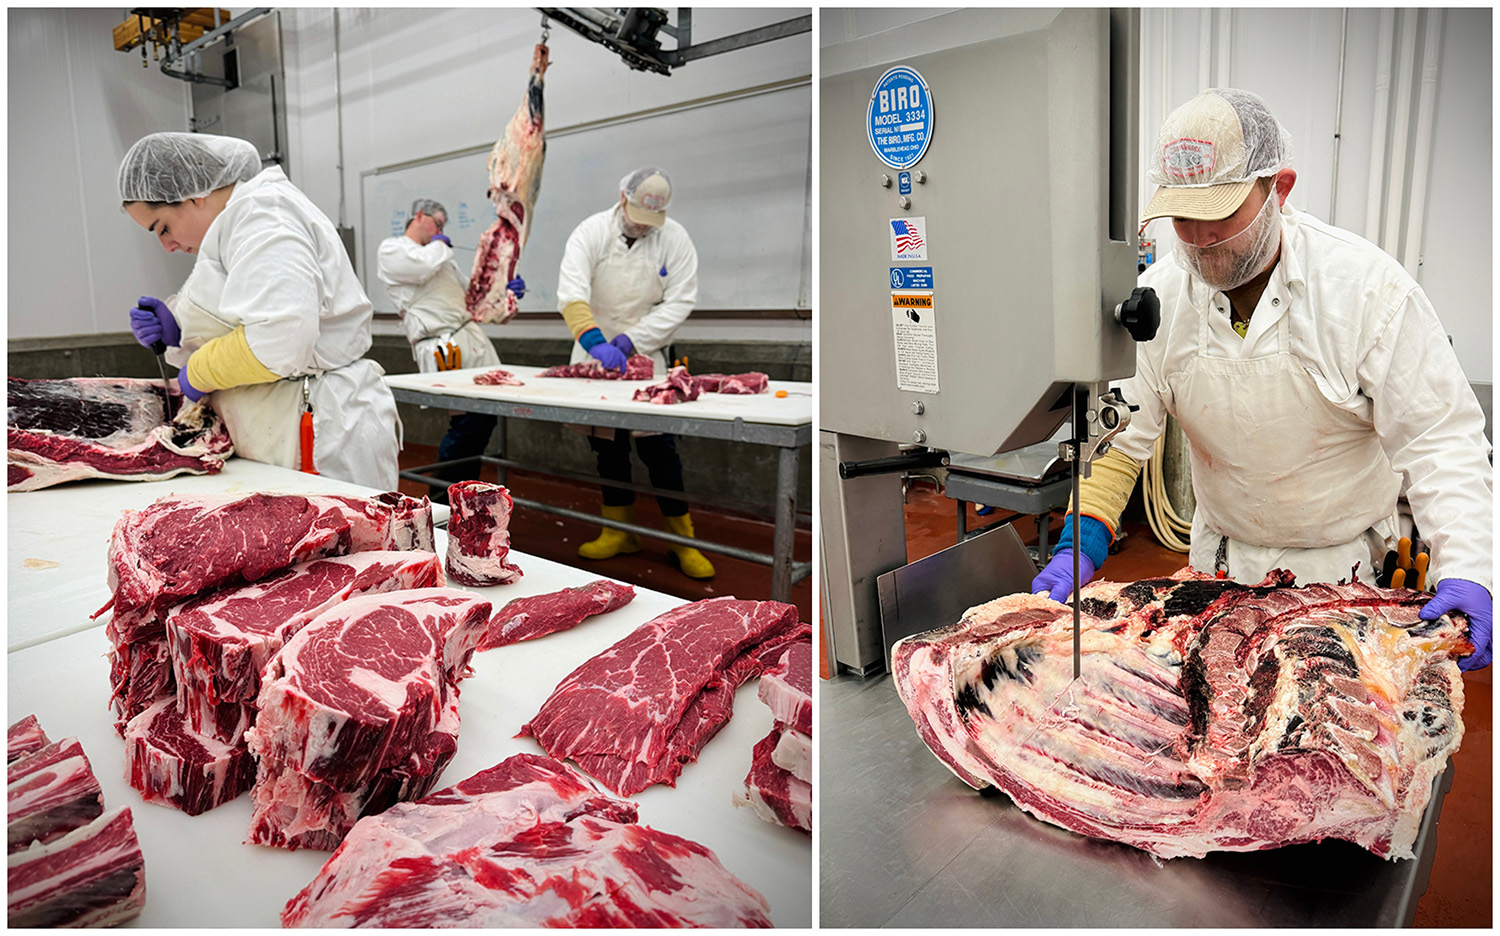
(1057, 578)
(517, 286)
(1474, 601)
(608, 355)
(623, 342)
(188, 390)
(440, 236)
(151, 321)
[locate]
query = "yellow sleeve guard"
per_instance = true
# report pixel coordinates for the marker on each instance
(1104, 494)
(577, 314)
(227, 361)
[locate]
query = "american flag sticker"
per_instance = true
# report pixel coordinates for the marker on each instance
(908, 238)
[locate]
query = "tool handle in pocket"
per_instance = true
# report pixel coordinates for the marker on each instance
(307, 441)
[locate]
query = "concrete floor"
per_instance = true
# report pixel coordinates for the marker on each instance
(1461, 887)
(557, 538)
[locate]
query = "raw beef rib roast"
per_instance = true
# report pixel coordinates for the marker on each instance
(1209, 716)
(106, 427)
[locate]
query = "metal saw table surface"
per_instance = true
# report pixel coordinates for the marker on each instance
(905, 843)
(198, 871)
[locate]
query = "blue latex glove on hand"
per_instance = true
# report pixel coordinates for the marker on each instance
(443, 238)
(517, 286)
(1474, 601)
(1057, 578)
(608, 355)
(151, 321)
(624, 343)
(188, 390)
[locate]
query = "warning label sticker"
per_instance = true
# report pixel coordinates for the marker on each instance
(914, 322)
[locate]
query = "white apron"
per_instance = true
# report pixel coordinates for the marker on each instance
(437, 315)
(351, 405)
(1291, 480)
(623, 291)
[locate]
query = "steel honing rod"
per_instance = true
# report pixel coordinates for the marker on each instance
(1080, 437)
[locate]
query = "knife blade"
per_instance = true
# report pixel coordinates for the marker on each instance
(159, 348)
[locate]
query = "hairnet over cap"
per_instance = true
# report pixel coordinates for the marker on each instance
(647, 192)
(173, 167)
(1209, 153)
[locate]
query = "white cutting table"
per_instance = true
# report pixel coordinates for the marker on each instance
(763, 418)
(198, 871)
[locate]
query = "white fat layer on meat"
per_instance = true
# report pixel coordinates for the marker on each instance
(793, 754)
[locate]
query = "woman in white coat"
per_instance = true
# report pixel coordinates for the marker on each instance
(272, 320)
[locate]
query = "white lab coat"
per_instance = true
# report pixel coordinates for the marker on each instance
(1371, 394)
(644, 290)
(271, 261)
(428, 291)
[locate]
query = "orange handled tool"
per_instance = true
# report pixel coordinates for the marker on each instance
(306, 430)
(1403, 553)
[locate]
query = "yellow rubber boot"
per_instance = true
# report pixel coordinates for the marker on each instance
(692, 562)
(612, 542)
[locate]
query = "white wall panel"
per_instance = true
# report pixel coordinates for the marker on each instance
(76, 263)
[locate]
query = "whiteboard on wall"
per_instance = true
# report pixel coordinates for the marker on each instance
(740, 185)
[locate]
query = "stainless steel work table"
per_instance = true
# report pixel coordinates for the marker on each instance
(761, 418)
(905, 843)
(198, 871)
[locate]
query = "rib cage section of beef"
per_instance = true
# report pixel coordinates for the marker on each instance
(106, 427)
(526, 843)
(1208, 716)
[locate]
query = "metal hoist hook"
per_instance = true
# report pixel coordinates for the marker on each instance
(546, 29)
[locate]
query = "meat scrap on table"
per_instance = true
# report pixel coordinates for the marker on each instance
(498, 378)
(1209, 716)
(107, 427)
(526, 843)
(637, 367)
(635, 714)
(70, 863)
(681, 387)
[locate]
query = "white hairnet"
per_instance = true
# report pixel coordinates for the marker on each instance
(1244, 141)
(173, 167)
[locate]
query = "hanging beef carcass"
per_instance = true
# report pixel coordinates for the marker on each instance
(1209, 716)
(515, 166)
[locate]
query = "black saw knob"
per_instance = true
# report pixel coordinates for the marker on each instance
(1140, 314)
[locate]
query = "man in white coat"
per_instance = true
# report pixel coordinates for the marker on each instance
(272, 320)
(1310, 375)
(629, 278)
(416, 268)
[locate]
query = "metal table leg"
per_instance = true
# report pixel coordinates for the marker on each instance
(786, 519)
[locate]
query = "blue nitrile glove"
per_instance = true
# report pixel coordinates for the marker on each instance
(151, 321)
(1474, 601)
(188, 390)
(605, 353)
(442, 237)
(517, 286)
(623, 342)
